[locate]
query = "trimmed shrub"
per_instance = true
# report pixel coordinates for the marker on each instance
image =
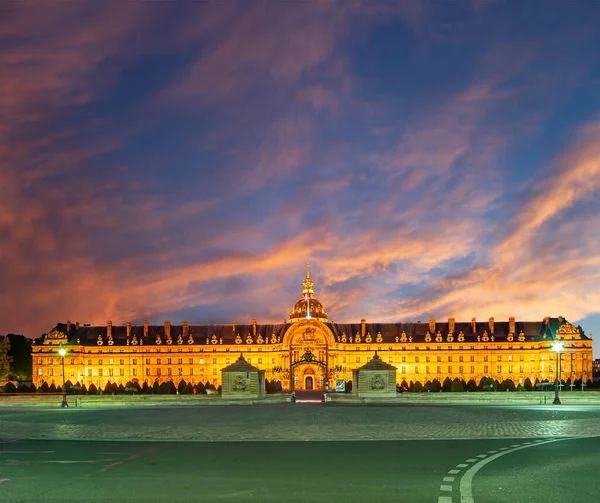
(457, 385)
(527, 384)
(417, 387)
(92, 390)
(447, 385)
(508, 385)
(200, 388)
(9, 387)
(52, 388)
(435, 386)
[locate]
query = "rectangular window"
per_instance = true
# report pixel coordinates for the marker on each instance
(214, 372)
(358, 359)
(89, 362)
(551, 369)
(472, 358)
(403, 359)
(180, 361)
(110, 361)
(485, 369)
(499, 358)
(40, 372)
(122, 371)
(110, 371)
(439, 358)
(404, 369)
(460, 358)
(215, 361)
(510, 358)
(169, 371)
(100, 361)
(499, 369)
(89, 372)
(191, 371)
(191, 361)
(416, 359)
(472, 369)
(168, 361)
(227, 361)
(460, 369)
(157, 372)
(521, 358)
(485, 358)
(39, 361)
(72, 361)
(180, 371)
(416, 369)
(147, 361)
(134, 371)
(260, 360)
(49, 361)
(134, 361)
(449, 369)
(121, 362)
(510, 369)
(427, 358)
(147, 372)
(158, 361)
(201, 361)
(532, 358)
(427, 369)
(344, 359)
(520, 369)
(439, 370)
(449, 358)
(100, 372)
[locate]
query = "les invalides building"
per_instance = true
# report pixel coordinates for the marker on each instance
(309, 352)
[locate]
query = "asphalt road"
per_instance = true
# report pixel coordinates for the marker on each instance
(490, 470)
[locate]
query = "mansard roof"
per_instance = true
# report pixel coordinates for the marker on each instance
(547, 329)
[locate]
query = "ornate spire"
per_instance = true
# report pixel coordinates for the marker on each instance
(308, 284)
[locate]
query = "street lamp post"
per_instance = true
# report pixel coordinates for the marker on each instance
(63, 352)
(557, 346)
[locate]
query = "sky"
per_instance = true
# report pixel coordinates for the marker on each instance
(184, 160)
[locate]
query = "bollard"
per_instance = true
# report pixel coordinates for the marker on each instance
(540, 399)
(545, 400)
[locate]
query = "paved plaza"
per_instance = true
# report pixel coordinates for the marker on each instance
(297, 422)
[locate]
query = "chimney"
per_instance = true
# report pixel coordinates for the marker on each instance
(168, 328)
(560, 319)
(253, 327)
(473, 325)
(512, 325)
(432, 325)
(68, 326)
(363, 327)
(128, 328)
(451, 325)
(109, 329)
(546, 320)
(186, 328)
(145, 328)
(233, 326)
(491, 325)
(76, 325)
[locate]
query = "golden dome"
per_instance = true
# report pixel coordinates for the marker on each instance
(308, 307)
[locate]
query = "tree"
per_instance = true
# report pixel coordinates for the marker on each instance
(487, 384)
(435, 386)
(44, 388)
(92, 390)
(527, 384)
(471, 385)
(20, 353)
(417, 387)
(188, 389)
(447, 385)
(181, 386)
(5, 359)
(52, 388)
(404, 384)
(145, 388)
(200, 388)
(456, 385)
(508, 385)
(155, 388)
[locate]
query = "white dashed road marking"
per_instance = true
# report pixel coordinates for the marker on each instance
(4, 480)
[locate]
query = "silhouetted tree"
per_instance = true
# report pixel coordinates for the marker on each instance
(44, 388)
(181, 386)
(9, 387)
(200, 388)
(435, 386)
(155, 388)
(527, 384)
(417, 387)
(92, 390)
(53, 388)
(5, 359)
(471, 385)
(188, 389)
(507, 385)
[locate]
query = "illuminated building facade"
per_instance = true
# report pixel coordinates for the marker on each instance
(309, 352)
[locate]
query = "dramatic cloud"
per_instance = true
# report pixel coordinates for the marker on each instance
(167, 160)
